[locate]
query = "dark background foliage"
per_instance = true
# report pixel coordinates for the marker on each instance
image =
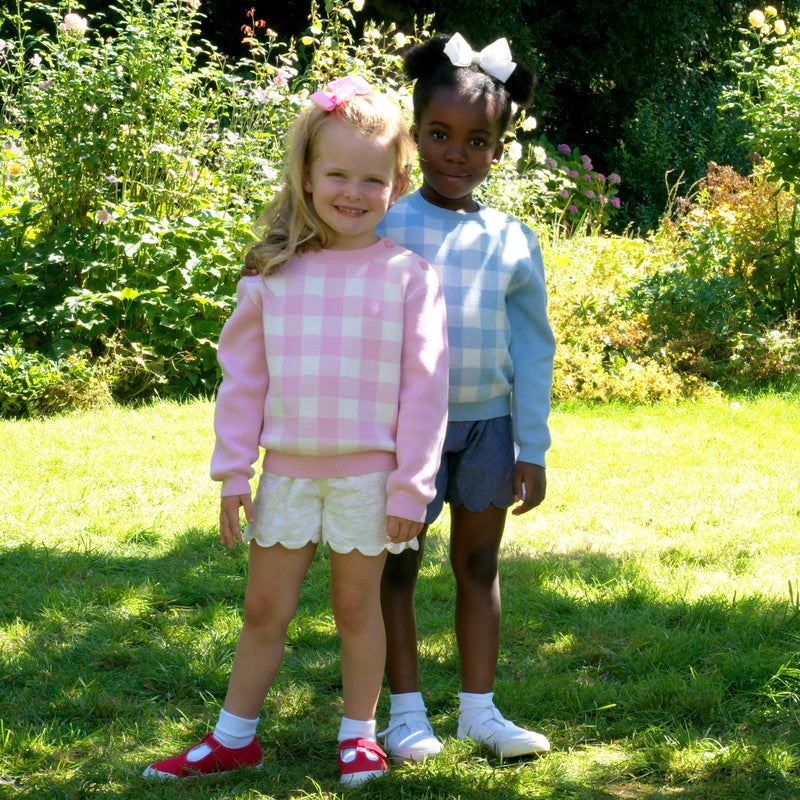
(634, 84)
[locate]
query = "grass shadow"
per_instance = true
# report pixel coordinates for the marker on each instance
(105, 654)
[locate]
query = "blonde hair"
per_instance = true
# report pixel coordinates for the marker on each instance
(289, 223)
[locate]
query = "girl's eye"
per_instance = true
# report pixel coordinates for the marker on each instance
(379, 181)
(479, 142)
(439, 135)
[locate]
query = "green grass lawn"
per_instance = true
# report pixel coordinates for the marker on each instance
(651, 616)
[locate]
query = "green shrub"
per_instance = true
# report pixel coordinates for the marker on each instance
(721, 310)
(556, 188)
(149, 154)
(32, 385)
(767, 95)
(670, 138)
(604, 345)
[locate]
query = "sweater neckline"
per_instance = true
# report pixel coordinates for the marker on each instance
(431, 210)
(359, 256)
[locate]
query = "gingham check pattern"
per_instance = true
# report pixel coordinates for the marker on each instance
(334, 358)
(501, 345)
(336, 365)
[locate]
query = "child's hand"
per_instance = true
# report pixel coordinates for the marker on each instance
(530, 486)
(230, 531)
(402, 530)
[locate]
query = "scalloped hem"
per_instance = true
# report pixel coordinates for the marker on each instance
(391, 547)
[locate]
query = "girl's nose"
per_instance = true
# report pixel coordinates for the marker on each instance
(455, 151)
(352, 189)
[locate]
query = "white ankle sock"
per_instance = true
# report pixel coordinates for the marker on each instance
(234, 732)
(471, 705)
(407, 701)
(357, 729)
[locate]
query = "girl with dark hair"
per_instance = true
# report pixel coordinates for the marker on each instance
(501, 366)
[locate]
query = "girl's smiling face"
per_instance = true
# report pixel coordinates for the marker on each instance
(459, 138)
(352, 181)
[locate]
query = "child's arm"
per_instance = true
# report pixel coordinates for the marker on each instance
(239, 411)
(422, 401)
(532, 351)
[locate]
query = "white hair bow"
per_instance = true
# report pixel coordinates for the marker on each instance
(494, 58)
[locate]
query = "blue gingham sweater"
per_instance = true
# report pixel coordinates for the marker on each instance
(501, 345)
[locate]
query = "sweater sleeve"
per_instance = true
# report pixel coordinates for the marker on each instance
(422, 402)
(532, 351)
(239, 411)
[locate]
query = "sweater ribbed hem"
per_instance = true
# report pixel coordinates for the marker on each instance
(330, 466)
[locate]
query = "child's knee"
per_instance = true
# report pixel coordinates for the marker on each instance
(478, 567)
(401, 569)
(355, 607)
(264, 610)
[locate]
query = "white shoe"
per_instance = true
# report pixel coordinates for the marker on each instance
(488, 727)
(410, 737)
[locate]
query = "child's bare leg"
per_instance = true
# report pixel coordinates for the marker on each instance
(474, 546)
(398, 584)
(273, 589)
(355, 599)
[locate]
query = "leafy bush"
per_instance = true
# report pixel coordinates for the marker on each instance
(554, 187)
(134, 158)
(604, 345)
(668, 141)
(728, 291)
(767, 96)
(32, 385)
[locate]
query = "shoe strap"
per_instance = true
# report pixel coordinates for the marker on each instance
(399, 720)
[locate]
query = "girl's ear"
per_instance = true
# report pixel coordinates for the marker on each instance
(414, 133)
(498, 152)
(397, 191)
(306, 182)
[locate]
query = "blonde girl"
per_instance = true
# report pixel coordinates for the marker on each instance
(334, 363)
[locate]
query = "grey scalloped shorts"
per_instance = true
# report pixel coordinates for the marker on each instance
(477, 468)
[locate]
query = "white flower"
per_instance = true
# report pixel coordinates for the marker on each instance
(358, 5)
(36, 60)
(400, 39)
(539, 155)
(529, 123)
(514, 152)
(74, 22)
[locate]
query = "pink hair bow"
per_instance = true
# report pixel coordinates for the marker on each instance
(340, 91)
(494, 59)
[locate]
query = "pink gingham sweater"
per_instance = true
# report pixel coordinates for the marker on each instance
(336, 365)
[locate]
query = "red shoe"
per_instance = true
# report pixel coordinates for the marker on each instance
(365, 761)
(220, 759)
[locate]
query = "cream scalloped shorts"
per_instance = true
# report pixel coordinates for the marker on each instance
(344, 513)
